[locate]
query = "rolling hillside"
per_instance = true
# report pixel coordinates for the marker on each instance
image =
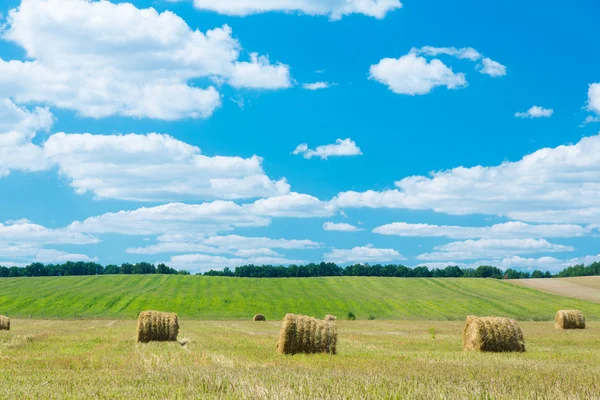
(213, 298)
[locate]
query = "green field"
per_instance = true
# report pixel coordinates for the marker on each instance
(215, 298)
(237, 359)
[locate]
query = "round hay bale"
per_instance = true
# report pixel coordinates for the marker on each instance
(492, 334)
(156, 326)
(4, 323)
(569, 319)
(329, 317)
(259, 317)
(302, 334)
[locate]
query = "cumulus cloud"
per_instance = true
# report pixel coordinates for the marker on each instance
(364, 254)
(26, 232)
(155, 167)
(412, 75)
(594, 98)
(317, 85)
(334, 9)
(104, 59)
(491, 68)
(507, 230)
(293, 205)
(18, 126)
(551, 185)
(234, 244)
(23, 242)
(474, 249)
(535, 112)
(206, 218)
(343, 227)
(345, 147)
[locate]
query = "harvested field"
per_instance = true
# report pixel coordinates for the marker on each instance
(238, 360)
(582, 288)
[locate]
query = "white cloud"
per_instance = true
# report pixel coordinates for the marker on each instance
(551, 185)
(293, 205)
(588, 120)
(317, 85)
(535, 112)
(205, 218)
(23, 242)
(155, 167)
(507, 230)
(345, 147)
(104, 59)
(487, 66)
(343, 227)
(594, 98)
(492, 68)
(364, 254)
(205, 262)
(259, 73)
(474, 249)
(235, 244)
(26, 254)
(412, 75)
(25, 232)
(468, 53)
(334, 9)
(18, 126)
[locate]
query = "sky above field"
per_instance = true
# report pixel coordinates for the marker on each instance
(213, 133)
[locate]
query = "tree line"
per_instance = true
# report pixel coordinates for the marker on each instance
(295, 271)
(392, 270)
(70, 268)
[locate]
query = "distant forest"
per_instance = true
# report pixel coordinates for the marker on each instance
(294, 271)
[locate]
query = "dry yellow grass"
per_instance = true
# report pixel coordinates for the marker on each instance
(4, 323)
(302, 334)
(569, 319)
(259, 317)
(156, 326)
(581, 287)
(492, 334)
(237, 360)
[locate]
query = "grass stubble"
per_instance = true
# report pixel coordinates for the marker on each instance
(230, 360)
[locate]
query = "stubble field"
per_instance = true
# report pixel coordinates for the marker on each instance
(226, 359)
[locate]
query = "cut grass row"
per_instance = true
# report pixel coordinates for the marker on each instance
(217, 298)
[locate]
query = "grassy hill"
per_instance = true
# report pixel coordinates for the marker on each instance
(214, 298)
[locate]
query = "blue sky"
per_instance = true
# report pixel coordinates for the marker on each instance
(425, 132)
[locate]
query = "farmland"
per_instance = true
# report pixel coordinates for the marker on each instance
(582, 287)
(214, 298)
(233, 359)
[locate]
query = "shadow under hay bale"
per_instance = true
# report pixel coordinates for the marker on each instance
(259, 317)
(492, 334)
(569, 319)
(156, 326)
(302, 334)
(329, 317)
(4, 323)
